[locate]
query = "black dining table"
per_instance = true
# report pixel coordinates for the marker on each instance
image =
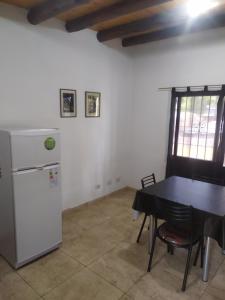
(207, 200)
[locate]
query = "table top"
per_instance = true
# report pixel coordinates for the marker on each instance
(203, 196)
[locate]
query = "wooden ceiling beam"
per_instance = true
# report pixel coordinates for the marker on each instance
(111, 12)
(197, 25)
(49, 9)
(135, 27)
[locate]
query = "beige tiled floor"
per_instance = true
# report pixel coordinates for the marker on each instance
(99, 259)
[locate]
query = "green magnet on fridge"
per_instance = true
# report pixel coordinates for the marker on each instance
(50, 143)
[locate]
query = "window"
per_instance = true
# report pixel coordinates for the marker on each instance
(197, 127)
(197, 119)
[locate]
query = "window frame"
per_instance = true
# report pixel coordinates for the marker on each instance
(219, 139)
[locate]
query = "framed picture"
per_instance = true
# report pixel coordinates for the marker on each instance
(68, 103)
(92, 104)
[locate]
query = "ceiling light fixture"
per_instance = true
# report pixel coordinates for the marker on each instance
(199, 7)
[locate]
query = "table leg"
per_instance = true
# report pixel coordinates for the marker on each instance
(150, 232)
(205, 274)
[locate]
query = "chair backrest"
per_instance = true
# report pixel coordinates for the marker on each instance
(148, 180)
(175, 213)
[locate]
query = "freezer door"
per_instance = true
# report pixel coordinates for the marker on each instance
(31, 150)
(38, 212)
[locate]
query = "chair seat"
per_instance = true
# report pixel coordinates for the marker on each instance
(176, 236)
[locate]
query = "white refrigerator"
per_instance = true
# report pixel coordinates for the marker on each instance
(30, 194)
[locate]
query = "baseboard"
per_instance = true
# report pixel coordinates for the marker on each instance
(99, 199)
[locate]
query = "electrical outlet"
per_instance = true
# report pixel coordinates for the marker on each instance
(118, 179)
(98, 186)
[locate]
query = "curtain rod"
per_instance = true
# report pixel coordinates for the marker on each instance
(192, 86)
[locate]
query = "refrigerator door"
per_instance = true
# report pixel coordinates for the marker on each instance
(38, 212)
(31, 148)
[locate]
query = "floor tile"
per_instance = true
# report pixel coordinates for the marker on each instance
(116, 229)
(129, 228)
(71, 229)
(84, 285)
(216, 286)
(88, 217)
(216, 259)
(108, 209)
(4, 267)
(123, 266)
(12, 287)
(90, 246)
(126, 297)
(207, 296)
(49, 271)
(150, 287)
(215, 293)
(165, 280)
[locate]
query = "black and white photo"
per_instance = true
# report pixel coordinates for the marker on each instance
(68, 103)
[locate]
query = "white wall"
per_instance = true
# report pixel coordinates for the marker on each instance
(196, 59)
(130, 138)
(35, 62)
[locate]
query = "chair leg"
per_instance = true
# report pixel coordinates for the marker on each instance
(197, 253)
(142, 226)
(170, 249)
(186, 269)
(156, 222)
(152, 252)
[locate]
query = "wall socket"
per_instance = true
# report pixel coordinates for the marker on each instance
(98, 186)
(118, 179)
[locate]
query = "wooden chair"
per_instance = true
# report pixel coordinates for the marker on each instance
(178, 231)
(146, 182)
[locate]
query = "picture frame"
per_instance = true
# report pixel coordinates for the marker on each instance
(68, 103)
(92, 104)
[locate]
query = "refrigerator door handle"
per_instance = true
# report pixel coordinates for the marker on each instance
(37, 168)
(51, 167)
(40, 168)
(47, 167)
(20, 172)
